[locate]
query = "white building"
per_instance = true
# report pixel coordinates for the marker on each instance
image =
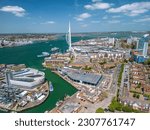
(27, 78)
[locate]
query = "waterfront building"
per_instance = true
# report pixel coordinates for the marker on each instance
(81, 76)
(54, 61)
(141, 54)
(26, 78)
(57, 60)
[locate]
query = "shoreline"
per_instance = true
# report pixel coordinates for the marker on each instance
(54, 110)
(24, 44)
(85, 103)
(7, 42)
(73, 84)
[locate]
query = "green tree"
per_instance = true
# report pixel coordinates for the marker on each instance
(138, 96)
(100, 110)
(127, 109)
(139, 85)
(120, 74)
(147, 62)
(119, 107)
(134, 95)
(87, 68)
(133, 46)
(115, 105)
(111, 108)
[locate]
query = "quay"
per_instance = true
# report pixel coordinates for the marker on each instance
(82, 101)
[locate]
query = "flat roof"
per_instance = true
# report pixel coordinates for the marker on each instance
(69, 107)
(85, 77)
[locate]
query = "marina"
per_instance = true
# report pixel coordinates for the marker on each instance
(27, 54)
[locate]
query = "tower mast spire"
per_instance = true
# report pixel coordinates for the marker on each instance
(69, 37)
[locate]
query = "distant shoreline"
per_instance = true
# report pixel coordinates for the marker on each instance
(25, 39)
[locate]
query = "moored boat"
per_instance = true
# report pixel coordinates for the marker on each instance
(44, 54)
(51, 88)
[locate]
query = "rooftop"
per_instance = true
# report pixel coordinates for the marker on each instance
(85, 77)
(80, 76)
(69, 107)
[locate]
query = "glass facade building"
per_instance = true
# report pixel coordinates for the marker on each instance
(142, 47)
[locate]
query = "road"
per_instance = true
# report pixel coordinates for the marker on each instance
(114, 86)
(124, 91)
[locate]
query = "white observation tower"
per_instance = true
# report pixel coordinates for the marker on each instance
(68, 38)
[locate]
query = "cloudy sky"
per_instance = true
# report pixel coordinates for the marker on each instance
(47, 16)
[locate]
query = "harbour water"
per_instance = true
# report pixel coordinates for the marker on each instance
(28, 55)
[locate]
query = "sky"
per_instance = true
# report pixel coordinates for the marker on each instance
(52, 16)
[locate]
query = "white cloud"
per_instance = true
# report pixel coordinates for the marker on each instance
(114, 21)
(142, 20)
(16, 10)
(48, 22)
(133, 9)
(83, 16)
(97, 5)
